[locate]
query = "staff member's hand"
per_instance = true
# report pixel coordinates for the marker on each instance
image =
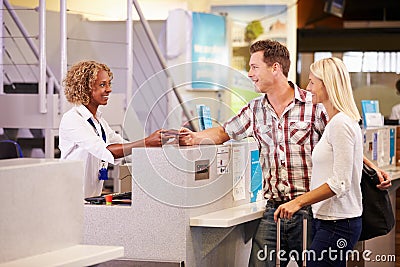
(154, 139)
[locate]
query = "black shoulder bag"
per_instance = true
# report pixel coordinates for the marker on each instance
(377, 217)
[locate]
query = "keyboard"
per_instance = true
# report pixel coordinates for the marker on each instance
(116, 196)
(123, 195)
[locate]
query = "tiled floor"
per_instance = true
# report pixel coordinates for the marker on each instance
(133, 263)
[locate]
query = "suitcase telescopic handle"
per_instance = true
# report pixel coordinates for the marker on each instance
(278, 237)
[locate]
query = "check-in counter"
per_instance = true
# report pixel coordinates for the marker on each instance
(183, 213)
(190, 205)
(383, 248)
(41, 221)
(380, 145)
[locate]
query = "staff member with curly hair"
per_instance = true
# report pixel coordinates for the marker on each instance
(84, 134)
(395, 114)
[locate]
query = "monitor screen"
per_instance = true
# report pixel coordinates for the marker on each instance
(335, 7)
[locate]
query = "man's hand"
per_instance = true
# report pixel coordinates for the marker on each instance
(210, 136)
(186, 137)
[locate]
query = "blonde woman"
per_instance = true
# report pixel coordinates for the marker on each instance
(84, 134)
(337, 160)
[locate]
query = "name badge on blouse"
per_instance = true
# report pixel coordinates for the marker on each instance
(103, 172)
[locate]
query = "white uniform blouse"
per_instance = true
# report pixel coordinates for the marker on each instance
(338, 160)
(395, 114)
(78, 140)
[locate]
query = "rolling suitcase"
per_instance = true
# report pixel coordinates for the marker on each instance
(278, 237)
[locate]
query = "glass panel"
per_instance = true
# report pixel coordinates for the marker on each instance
(370, 62)
(321, 55)
(353, 61)
(373, 75)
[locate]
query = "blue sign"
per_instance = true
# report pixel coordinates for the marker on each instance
(209, 45)
(256, 175)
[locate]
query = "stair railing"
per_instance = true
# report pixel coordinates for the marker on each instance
(39, 54)
(162, 61)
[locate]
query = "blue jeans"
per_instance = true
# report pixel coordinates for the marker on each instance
(332, 239)
(263, 251)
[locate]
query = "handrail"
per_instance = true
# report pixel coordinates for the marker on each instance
(1, 54)
(31, 44)
(129, 52)
(45, 69)
(160, 57)
(63, 48)
(42, 58)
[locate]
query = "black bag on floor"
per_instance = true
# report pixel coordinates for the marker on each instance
(377, 217)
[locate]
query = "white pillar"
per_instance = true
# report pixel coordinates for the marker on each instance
(63, 47)
(42, 57)
(129, 41)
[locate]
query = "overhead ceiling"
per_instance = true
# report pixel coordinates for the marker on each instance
(354, 10)
(315, 14)
(109, 10)
(363, 22)
(372, 10)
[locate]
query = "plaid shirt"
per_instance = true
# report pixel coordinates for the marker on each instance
(285, 143)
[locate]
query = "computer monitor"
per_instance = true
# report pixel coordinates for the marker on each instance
(204, 114)
(335, 7)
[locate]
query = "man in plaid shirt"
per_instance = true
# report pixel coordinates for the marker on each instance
(286, 125)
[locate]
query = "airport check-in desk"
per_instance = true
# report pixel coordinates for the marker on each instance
(41, 222)
(187, 206)
(175, 217)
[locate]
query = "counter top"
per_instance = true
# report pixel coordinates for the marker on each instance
(77, 255)
(231, 216)
(393, 171)
(17, 163)
(251, 211)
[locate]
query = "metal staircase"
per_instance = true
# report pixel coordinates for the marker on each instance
(30, 89)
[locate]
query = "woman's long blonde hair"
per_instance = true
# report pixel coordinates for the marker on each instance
(333, 73)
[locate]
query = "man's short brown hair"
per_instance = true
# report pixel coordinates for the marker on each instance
(274, 51)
